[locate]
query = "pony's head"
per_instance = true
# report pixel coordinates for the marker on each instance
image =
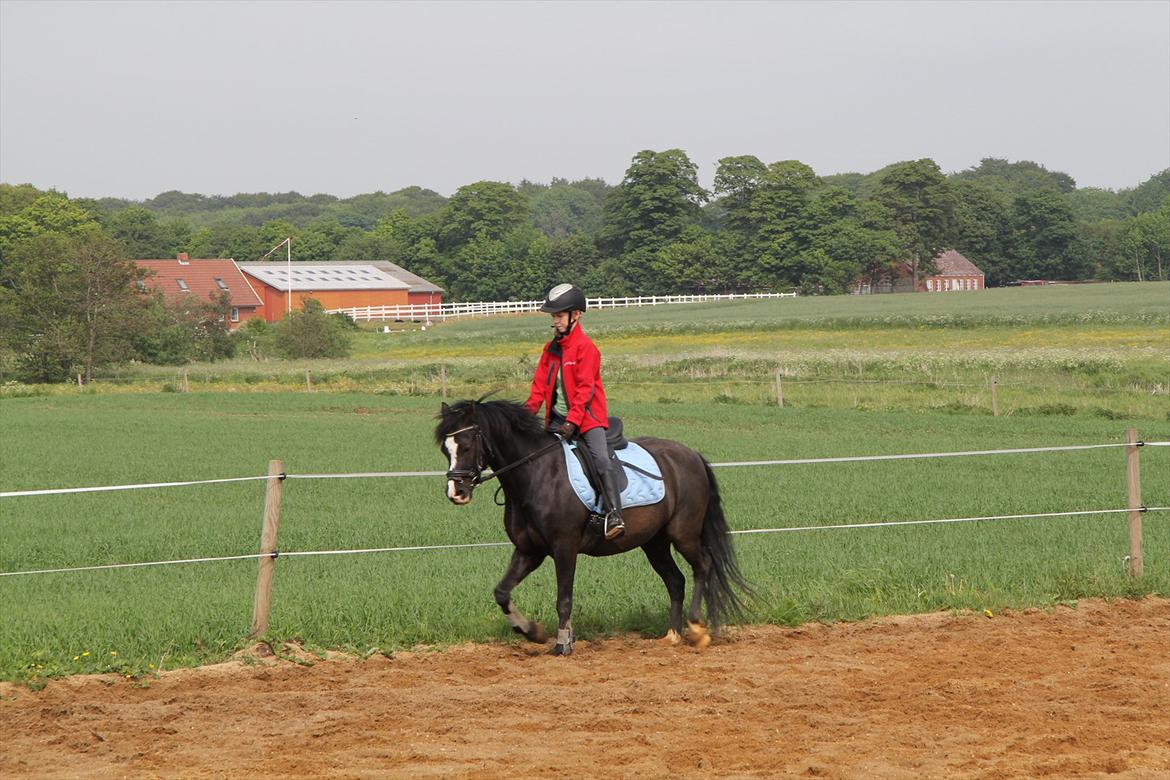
(470, 433)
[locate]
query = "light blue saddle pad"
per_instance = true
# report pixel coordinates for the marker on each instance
(640, 491)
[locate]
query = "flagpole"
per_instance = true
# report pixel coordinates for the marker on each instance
(287, 243)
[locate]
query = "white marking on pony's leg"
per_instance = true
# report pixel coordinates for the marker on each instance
(672, 637)
(517, 620)
(453, 451)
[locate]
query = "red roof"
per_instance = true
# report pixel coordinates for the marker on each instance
(951, 263)
(201, 278)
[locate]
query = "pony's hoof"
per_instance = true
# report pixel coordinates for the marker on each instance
(536, 634)
(672, 638)
(698, 635)
(564, 645)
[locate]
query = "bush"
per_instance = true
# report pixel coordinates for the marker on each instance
(311, 333)
(174, 335)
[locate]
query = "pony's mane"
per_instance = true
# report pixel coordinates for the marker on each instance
(497, 419)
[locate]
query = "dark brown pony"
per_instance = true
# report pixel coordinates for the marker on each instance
(543, 516)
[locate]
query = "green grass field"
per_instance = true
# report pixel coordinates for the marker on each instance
(1106, 343)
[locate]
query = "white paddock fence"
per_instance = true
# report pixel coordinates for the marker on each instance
(276, 477)
(426, 312)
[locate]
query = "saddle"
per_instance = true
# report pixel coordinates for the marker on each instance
(640, 480)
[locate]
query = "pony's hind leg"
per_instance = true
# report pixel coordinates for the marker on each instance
(521, 565)
(697, 633)
(658, 553)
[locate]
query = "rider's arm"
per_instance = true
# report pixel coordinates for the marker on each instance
(539, 389)
(586, 369)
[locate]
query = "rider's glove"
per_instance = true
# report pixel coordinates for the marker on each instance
(567, 431)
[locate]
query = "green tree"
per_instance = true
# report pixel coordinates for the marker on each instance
(485, 210)
(1018, 177)
(142, 234)
(849, 241)
(922, 206)
(1146, 243)
(1149, 195)
(765, 229)
(76, 303)
(652, 207)
(563, 209)
(693, 264)
(1043, 242)
(983, 229)
(50, 213)
(1091, 204)
(15, 198)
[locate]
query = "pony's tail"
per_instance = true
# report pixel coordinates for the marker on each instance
(726, 583)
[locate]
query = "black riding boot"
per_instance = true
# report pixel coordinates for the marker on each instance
(612, 499)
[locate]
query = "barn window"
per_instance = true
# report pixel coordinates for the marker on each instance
(235, 314)
(141, 285)
(183, 285)
(220, 283)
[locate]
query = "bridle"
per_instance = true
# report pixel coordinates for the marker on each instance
(475, 476)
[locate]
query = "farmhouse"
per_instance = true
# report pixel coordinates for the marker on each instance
(183, 280)
(335, 285)
(955, 273)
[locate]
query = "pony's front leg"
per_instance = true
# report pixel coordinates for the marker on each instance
(566, 563)
(521, 565)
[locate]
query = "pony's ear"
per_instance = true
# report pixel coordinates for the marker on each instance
(444, 409)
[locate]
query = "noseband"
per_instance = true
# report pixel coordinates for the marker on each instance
(475, 476)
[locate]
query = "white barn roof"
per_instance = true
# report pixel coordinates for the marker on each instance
(323, 276)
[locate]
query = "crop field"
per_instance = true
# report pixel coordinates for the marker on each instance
(861, 377)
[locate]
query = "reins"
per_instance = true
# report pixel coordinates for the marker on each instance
(476, 476)
(530, 456)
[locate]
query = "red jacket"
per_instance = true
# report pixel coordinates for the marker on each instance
(582, 376)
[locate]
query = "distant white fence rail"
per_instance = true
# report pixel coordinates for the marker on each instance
(424, 312)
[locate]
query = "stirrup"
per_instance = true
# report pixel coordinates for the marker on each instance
(614, 526)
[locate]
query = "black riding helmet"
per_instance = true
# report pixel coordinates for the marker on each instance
(563, 297)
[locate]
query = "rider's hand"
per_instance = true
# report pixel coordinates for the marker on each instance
(567, 431)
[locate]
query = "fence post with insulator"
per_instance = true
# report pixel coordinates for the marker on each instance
(1136, 566)
(268, 549)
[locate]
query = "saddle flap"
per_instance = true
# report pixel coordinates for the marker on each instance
(645, 484)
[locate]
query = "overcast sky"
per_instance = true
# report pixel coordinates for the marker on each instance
(130, 99)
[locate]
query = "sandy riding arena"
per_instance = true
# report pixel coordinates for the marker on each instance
(1064, 693)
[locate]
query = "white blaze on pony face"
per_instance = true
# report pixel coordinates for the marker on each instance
(452, 448)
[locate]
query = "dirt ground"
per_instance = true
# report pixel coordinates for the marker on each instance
(1066, 693)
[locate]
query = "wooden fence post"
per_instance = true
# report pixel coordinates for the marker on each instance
(186, 384)
(1134, 484)
(994, 397)
(779, 391)
(267, 549)
(308, 380)
(443, 381)
(79, 383)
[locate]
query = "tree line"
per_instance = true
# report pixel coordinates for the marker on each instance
(762, 226)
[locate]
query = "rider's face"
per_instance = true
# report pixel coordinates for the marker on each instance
(562, 319)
